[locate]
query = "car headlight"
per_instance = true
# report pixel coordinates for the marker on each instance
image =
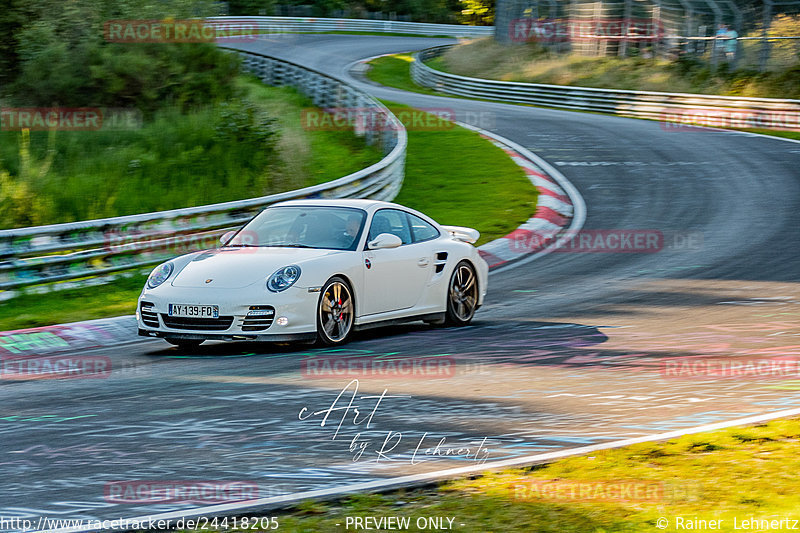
(283, 278)
(159, 275)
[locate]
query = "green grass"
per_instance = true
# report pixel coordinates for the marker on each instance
(437, 63)
(394, 71)
(70, 305)
(310, 156)
(738, 472)
(179, 160)
(481, 188)
(775, 133)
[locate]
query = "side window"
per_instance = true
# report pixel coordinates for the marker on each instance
(421, 230)
(390, 221)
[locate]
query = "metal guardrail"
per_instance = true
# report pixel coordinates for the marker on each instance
(672, 108)
(275, 25)
(72, 251)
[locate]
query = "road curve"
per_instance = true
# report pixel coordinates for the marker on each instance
(571, 349)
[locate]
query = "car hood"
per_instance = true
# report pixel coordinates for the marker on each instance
(234, 268)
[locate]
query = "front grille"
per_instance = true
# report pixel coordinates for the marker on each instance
(149, 316)
(259, 318)
(210, 324)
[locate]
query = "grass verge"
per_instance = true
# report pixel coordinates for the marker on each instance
(395, 71)
(70, 305)
(736, 474)
(785, 134)
(532, 63)
(452, 174)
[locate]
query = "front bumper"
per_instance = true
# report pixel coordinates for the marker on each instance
(271, 337)
(243, 314)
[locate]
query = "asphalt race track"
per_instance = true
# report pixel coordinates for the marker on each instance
(573, 348)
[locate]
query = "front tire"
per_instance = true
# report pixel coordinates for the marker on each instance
(462, 295)
(335, 312)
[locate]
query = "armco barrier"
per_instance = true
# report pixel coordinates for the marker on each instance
(671, 108)
(72, 251)
(276, 25)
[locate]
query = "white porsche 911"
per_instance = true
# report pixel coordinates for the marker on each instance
(317, 269)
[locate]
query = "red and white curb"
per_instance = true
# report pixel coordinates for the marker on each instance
(560, 210)
(73, 337)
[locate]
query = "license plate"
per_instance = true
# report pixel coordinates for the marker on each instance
(194, 311)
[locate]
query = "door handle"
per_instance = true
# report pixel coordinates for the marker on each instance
(423, 261)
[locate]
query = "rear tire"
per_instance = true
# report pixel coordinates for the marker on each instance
(462, 295)
(335, 312)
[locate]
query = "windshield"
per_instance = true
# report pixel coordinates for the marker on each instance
(337, 228)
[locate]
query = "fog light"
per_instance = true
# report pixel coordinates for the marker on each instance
(282, 321)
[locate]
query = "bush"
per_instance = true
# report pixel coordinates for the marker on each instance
(19, 205)
(63, 59)
(213, 154)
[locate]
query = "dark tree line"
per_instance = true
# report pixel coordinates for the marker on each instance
(441, 11)
(55, 53)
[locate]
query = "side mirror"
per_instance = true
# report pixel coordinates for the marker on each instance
(226, 237)
(384, 240)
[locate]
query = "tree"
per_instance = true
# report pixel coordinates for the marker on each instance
(64, 59)
(478, 12)
(13, 16)
(251, 7)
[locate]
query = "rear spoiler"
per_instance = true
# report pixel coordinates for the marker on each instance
(463, 234)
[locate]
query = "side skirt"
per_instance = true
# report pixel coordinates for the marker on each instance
(430, 317)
